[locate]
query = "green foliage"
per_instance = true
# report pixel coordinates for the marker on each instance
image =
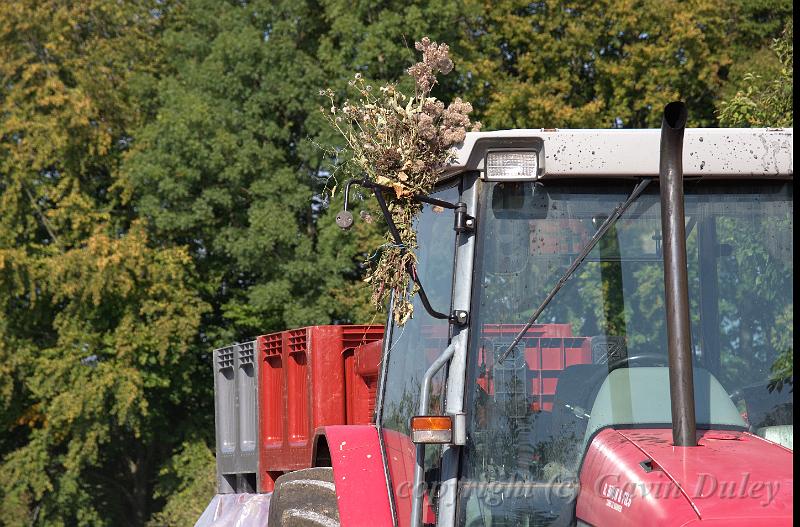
(163, 193)
(594, 64)
(752, 26)
(96, 319)
(758, 22)
(118, 365)
(188, 480)
(228, 167)
(765, 101)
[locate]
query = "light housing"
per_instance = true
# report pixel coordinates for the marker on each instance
(511, 165)
(432, 429)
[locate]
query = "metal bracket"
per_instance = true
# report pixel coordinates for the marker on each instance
(460, 317)
(459, 429)
(463, 222)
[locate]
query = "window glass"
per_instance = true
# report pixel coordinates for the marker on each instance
(526, 436)
(415, 346)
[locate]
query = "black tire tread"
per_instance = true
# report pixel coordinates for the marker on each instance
(304, 498)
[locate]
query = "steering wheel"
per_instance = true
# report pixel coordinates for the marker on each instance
(656, 359)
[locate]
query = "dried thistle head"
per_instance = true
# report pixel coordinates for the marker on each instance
(437, 56)
(435, 60)
(426, 128)
(423, 76)
(455, 121)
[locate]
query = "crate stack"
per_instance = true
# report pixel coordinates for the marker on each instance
(236, 416)
(310, 378)
(273, 395)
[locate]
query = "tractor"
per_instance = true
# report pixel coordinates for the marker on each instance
(602, 335)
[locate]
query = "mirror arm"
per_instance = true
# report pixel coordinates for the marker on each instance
(412, 272)
(422, 198)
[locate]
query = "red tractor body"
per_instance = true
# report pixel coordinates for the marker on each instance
(636, 477)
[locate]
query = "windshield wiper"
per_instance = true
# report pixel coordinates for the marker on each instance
(607, 224)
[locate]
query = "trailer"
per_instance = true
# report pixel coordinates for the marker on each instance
(601, 338)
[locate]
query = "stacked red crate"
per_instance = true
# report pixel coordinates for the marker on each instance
(361, 366)
(548, 349)
(309, 378)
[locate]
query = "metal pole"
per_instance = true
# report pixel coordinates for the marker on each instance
(418, 491)
(679, 336)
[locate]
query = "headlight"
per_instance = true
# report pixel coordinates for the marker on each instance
(511, 165)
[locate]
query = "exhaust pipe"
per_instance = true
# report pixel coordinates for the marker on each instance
(676, 284)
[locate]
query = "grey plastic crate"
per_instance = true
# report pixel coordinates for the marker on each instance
(247, 411)
(236, 417)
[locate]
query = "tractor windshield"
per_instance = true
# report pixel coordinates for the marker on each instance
(535, 412)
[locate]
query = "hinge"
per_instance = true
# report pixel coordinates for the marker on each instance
(459, 428)
(460, 317)
(463, 221)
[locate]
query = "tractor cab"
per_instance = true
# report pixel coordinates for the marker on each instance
(602, 334)
(525, 402)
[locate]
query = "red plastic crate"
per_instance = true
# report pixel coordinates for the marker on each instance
(362, 365)
(434, 338)
(309, 378)
(548, 349)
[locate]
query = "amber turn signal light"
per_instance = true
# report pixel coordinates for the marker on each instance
(431, 429)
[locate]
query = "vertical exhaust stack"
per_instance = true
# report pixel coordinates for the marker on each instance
(676, 284)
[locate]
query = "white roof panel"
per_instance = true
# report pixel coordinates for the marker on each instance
(709, 152)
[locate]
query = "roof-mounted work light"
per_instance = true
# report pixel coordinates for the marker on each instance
(511, 165)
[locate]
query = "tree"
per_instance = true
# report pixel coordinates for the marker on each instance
(765, 101)
(753, 25)
(95, 319)
(188, 482)
(588, 64)
(226, 165)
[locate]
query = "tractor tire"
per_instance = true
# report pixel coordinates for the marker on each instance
(304, 498)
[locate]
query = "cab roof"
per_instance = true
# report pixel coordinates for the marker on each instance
(707, 152)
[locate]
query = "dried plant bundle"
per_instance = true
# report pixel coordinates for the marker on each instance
(403, 142)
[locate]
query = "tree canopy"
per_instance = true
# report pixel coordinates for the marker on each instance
(164, 192)
(596, 65)
(766, 99)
